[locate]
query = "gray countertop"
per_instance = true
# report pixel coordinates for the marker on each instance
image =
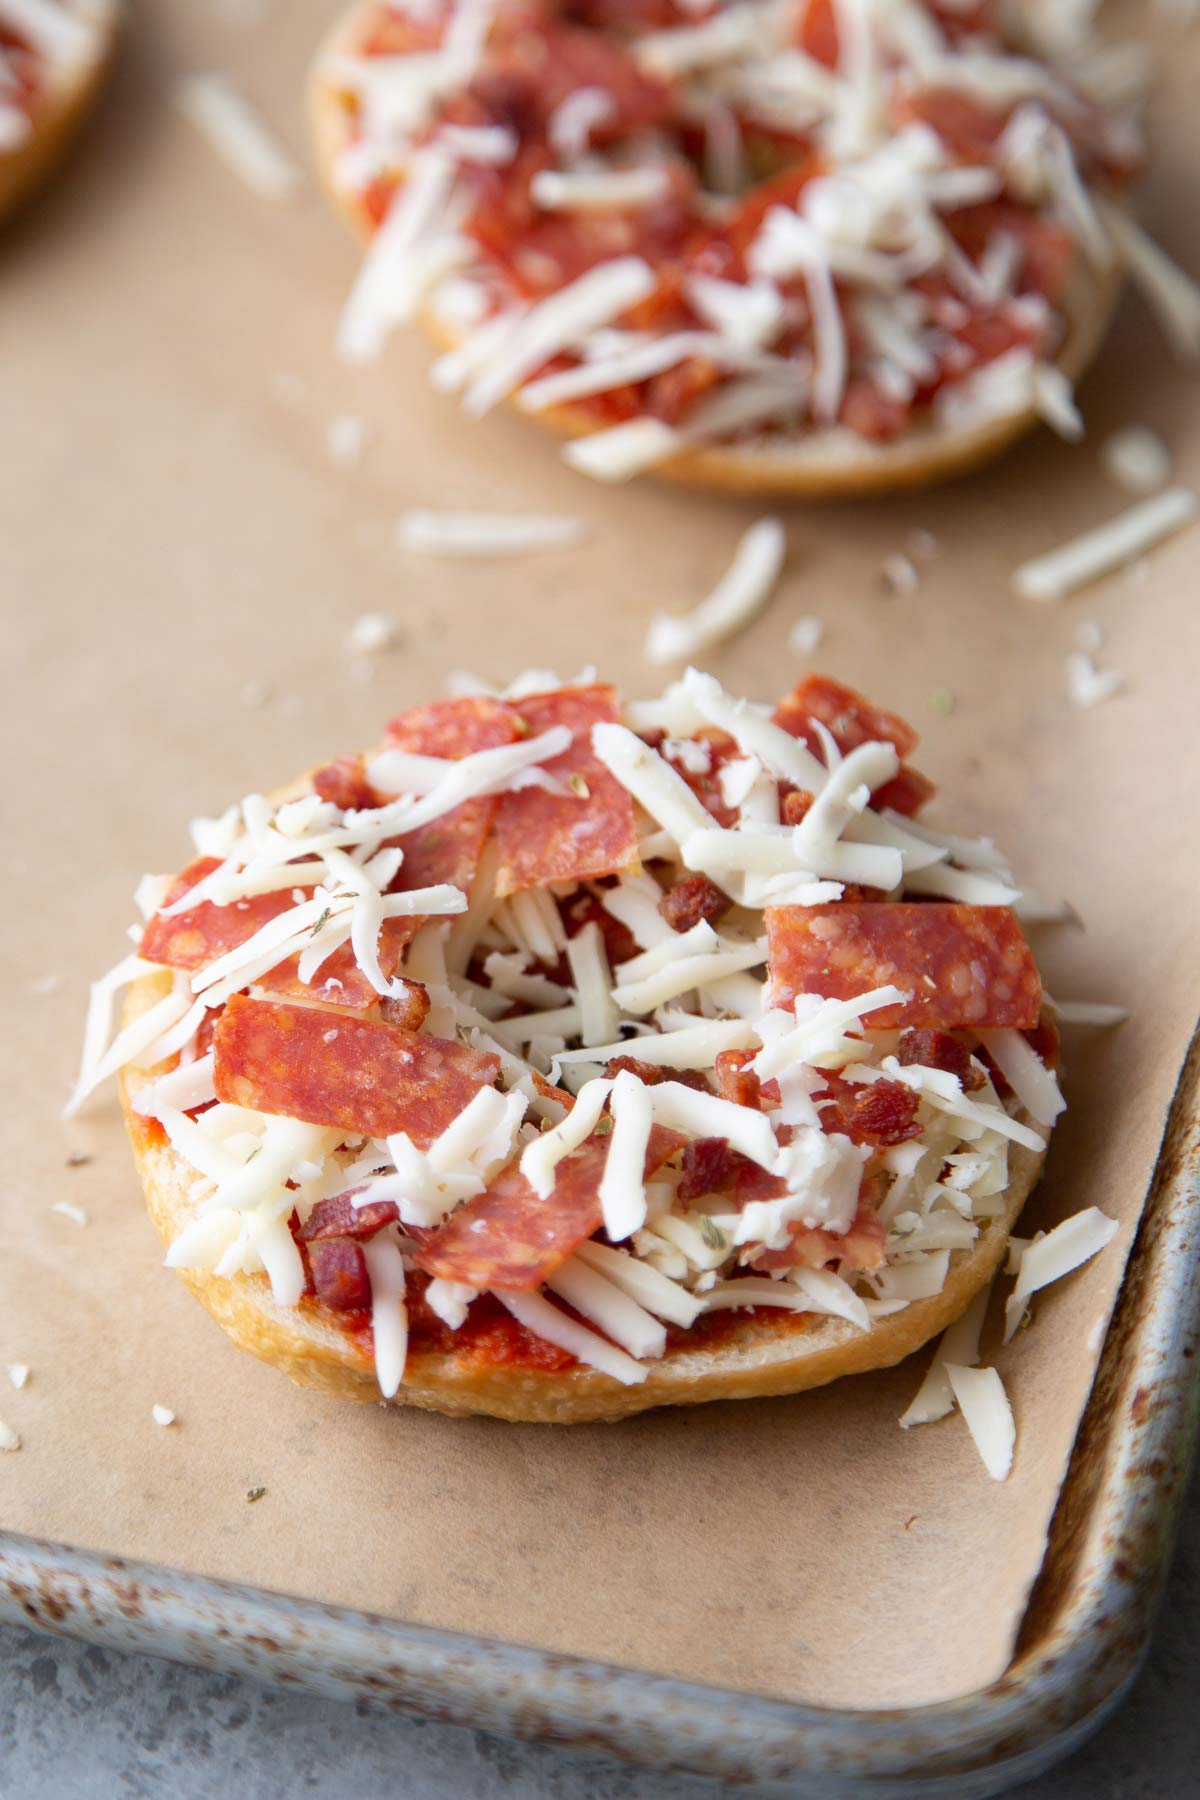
(89, 1724)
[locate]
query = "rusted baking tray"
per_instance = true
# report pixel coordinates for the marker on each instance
(1084, 1636)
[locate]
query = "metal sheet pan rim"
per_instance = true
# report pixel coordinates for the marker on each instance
(1086, 1634)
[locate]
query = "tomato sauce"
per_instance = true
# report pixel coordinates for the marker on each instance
(491, 1338)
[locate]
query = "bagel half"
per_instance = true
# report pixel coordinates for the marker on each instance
(64, 100)
(826, 464)
(759, 1354)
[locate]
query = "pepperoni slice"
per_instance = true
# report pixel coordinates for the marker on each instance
(848, 716)
(961, 965)
(190, 940)
(449, 848)
(338, 1217)
(906, 793)
(851, 720)
(359, 1075)
(446, 850)
(344, 783)
(453, 728)
(339, 1274)
(576, 836)
(509, 1238)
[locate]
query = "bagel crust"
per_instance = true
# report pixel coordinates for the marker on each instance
(826, 463)
(62, 103)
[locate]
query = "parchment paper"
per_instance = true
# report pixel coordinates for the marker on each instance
(173, 530)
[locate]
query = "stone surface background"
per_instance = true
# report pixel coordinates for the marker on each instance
(81, 1723)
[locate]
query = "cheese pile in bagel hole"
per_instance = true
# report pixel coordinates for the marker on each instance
(53, 54)
(812, 246)
(562, 1058)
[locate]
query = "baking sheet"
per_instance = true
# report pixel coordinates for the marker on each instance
(183, 565)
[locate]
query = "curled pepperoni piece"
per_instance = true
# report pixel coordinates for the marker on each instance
(576, 836)
(338, 1217)
(960, 965)
(509, 1238)
(849, 718)
(360, 1075)
(852, 720)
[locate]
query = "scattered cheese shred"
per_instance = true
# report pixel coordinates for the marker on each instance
(806, 634)
(1137, 459)
(486, 534)
(346, 438)
(738, 597)
(1097, 553)
(623, 450)
(238, 135)
(369, 633)
(985, 1407)
(1089, 685)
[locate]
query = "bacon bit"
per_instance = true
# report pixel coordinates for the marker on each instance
(343, 782)
(339, 1217)
(709, 1167)
(882, 1115)
(794, 805)
(736, 1080)
(339, 1272)
(933, 1049)
(693, 899)
(652, 1073)
(410, 1009)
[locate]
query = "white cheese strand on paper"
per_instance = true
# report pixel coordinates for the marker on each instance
(741, 593)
